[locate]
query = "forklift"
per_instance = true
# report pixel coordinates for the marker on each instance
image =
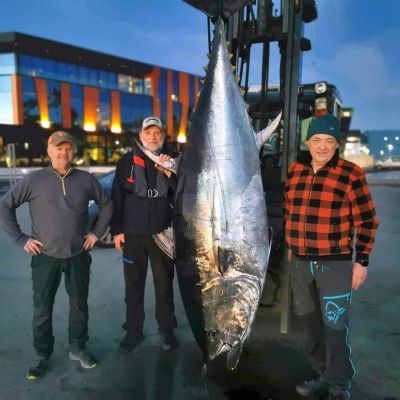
(258, 22)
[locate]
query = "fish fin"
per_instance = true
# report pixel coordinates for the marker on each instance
(214, 8)
(226, 258)
(265, 134)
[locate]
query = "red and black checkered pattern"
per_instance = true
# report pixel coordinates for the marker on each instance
(324, 210)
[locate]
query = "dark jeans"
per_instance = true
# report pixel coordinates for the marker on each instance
(322, 297)
(46, 277)
(137, 250)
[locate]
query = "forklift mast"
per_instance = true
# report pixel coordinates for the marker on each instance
(260, 23)
(250, 22)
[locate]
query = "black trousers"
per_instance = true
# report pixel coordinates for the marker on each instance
(137, 250)
(46, 277)
(322, 298)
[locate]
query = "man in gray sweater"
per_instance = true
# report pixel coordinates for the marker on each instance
(58, 198)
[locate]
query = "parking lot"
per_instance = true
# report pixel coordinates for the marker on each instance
(269, 368)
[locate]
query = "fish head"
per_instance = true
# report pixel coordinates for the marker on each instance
(230, 305)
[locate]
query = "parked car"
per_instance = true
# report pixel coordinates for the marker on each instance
(106, 241)
(388, 163)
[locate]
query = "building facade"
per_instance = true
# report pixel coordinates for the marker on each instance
(100, 99)
(382, 143)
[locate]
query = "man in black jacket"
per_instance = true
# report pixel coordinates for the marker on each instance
(142, 208)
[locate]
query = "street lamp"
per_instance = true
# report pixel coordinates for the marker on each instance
(390, 148)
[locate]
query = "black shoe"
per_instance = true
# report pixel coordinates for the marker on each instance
(130, 343)
(315, 385)
(168, 340)
(38, 368)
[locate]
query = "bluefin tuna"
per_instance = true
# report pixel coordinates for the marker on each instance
(220, 222)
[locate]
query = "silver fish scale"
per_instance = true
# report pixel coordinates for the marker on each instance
(221, 225)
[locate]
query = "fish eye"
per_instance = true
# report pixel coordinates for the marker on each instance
(213, 333)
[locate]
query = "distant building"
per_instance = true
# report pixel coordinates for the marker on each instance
(99, 98)
(382, 143)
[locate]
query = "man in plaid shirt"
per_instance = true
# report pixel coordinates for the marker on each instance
(328, 210)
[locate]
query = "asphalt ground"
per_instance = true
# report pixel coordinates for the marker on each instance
(270, 365)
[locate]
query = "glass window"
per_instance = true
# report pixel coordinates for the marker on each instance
(72, 73)
(139, 86)
(83, 77)
(148, 87)
(123, 83)
(6, 111)
(162, 87)
(5, 84)
(130, 84)
(104, 113)
(30, 103)
(62, 72)
(37, 66)
(134, 109)
(76, 105)
(112, 81)
(25, 65)
(103, 79)
(7, 64)
(177, 107)
(49, 67)
(175, 82)
(162, 93)
(54, 102)
(92, 77)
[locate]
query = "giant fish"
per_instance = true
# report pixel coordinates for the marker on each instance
(220, 218)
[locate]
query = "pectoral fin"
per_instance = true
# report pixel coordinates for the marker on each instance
(266, 133)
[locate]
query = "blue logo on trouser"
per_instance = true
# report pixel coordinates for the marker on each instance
(333, 312)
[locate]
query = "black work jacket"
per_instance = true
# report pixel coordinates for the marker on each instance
(139, 215)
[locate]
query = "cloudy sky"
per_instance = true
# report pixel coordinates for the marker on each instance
(356, 43)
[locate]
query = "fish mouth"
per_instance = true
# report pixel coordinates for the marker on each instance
(218, 346)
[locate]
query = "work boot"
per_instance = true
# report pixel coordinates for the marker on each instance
(86, 359)
(38, 368)
(315, 385)
(168, 340)
(130, 343)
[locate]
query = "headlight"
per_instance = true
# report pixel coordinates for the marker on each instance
(320, 87)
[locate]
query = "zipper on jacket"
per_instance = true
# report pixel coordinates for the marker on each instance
(62, 179)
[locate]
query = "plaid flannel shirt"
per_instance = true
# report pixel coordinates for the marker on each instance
(324, 210)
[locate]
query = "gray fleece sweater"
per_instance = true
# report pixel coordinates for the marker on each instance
(58, 209)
